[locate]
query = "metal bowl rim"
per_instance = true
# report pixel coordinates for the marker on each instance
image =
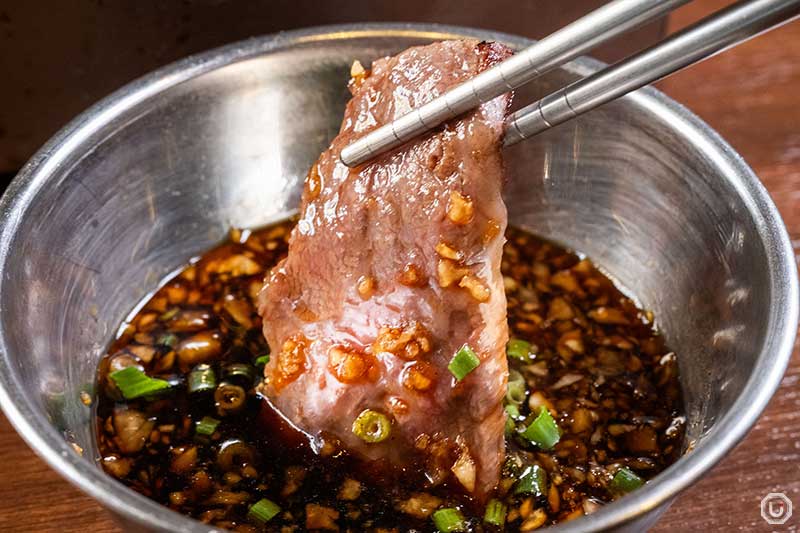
(726, 433)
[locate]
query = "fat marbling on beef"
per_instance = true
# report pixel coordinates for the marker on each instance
(391, 269)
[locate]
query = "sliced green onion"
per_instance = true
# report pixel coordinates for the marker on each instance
(495, 513)
(229, 398)
(372, 426)
(543, 431)
(263, 511)
(513, 413)
(515, 394)
(463, 362)
(449, 519)
(510, 427)
(206, 426)
(133, 383)
(168, 339)
(625, 481)
(202, 378)
(518, 349)
(262, 360)
(512, 410)
(240, 372)
(532, 481)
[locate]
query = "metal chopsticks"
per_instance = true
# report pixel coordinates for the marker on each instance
(712, 34)
(729, 27)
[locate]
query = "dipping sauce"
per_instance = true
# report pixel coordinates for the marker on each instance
(594, 402)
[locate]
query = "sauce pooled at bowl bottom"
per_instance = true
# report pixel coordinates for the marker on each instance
(579, 348)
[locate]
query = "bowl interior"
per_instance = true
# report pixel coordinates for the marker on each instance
(159, 174)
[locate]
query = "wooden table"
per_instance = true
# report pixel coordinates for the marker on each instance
(751, 95)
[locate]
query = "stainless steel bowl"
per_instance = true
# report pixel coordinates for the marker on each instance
(158, 172)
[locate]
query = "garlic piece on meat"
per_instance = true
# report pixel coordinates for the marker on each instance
(449, 272)
(418, 376)
(346, 364)
(358, 73)
(412, 277)
(357, 69)
(460, 209)
(407, 342)
(448, 252)
(476, 288)
(291, 361)
(492, 230)
(366, 287)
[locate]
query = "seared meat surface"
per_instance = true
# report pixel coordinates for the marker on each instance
(392, 268)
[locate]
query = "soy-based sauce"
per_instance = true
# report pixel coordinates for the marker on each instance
(595, 362)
